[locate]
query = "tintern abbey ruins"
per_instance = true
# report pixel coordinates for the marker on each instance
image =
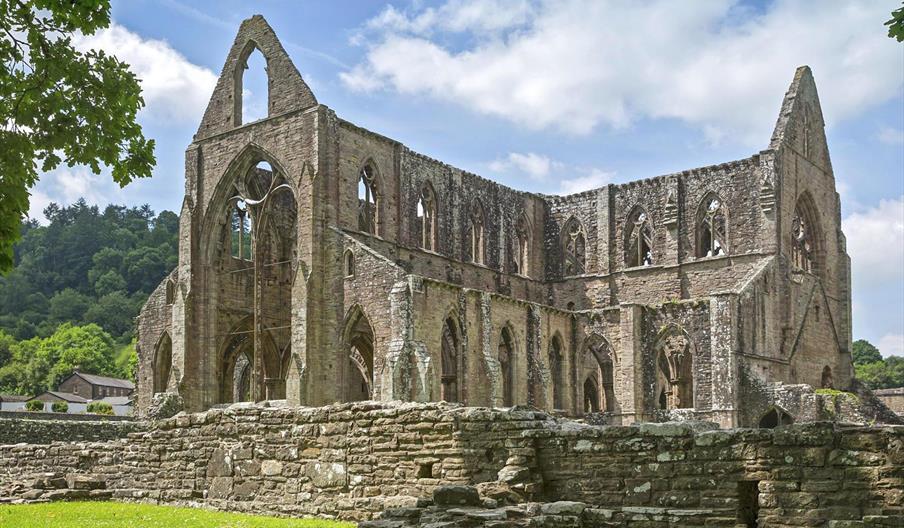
(358, 331)
(320, 262)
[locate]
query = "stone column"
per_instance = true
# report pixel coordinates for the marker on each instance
(630, 363)
(723, 314)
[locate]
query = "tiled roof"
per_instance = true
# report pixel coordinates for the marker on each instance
(65, 396)
(94, 379)
(13, 398)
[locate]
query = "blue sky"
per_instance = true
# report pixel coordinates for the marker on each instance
(554, 96)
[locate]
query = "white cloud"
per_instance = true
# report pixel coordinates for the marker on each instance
(66, 185)
(536, 166)
(174, 89)
(577, 64)
(891, 136)
(542, 168)
(594, 180)
(876, 244)
(892, 345)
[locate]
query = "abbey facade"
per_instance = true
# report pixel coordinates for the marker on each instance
(320, 262)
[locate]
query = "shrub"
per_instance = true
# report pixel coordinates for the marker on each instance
(59, 407)
(100, 408)
(34, 405)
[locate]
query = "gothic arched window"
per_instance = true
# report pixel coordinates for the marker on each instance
(803, 235)
(426, 216)
(449, 361)
(521, 246)
(476, 233)
(368, 204)
(712, 227)
(240, 241)
(557, 371)
(639, 242)
(574, 247)
(506, 356)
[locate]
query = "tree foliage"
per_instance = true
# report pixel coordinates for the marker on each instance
(864, 352)
(61, 105)
(896, 25)
(874, 371)
(41, 364)
(86, 266)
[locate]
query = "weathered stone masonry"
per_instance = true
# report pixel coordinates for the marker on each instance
(321, 262)
(353, 461)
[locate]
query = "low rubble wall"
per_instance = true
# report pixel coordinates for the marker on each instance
(353, 461)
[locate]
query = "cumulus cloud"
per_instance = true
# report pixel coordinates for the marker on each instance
(892, 345)
(891, 136)
(577, 64)
(876, 244)
(543, 169)
(535, 166)
(66, 185)
(594, 180)
(174, 89)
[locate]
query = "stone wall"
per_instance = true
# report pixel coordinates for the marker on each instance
(353, 461)
(893, 398)
(15, 428)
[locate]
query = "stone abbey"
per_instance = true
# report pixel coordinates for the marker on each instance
(320, 262)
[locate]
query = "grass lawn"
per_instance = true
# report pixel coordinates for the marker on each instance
(116, 515)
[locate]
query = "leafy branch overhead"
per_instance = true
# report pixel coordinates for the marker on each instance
(896, 25)
(61, 105)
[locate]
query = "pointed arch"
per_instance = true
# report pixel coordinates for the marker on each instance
(827, 380)
(506, 353)
(358, 340)
(775, 417)
(806, 235)
(574, 247)
(450, 357)
(557, 370)
(426, 217)
(163, 362)
(597, 371)
(243, 112)
(674, 369)
(369, 198)
(476, 232)
(639, 237)
(348, 262)
(521, 244)
(712, 226)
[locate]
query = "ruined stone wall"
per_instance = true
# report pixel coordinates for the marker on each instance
(354, 460)
(155, 322)
(16, 429)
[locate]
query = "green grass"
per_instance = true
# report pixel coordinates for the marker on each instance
(125, 515)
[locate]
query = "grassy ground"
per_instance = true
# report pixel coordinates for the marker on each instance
(121, 515)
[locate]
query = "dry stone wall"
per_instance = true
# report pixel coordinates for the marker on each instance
(354, 461)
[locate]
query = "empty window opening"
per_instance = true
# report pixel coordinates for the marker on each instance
(170, 291)
(349, 264)
(574, 248)
(712, 228)
(639, 244)
(252, 88)
(521, 247)
(425, 470)
(240, 242)
(804, 235)
(476, 233)
(748, 503)
(368, 204)
(360, 342)
(774, 418)
(598, 367)
(426, 217)
(163, 360)
(591, 396)
(450, 356)
(506, 356)
(557, 370)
